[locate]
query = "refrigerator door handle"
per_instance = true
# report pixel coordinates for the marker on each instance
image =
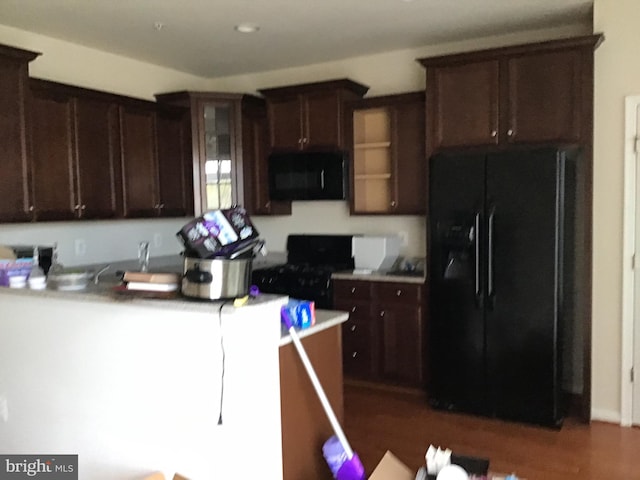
(490, 280)
(476, 241)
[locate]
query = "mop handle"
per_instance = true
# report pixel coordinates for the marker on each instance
(319, 390)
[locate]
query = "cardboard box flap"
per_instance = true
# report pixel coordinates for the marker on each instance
(390, 468)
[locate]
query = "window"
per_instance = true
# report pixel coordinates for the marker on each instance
(217, 167)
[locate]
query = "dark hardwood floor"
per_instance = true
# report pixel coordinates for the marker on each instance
(402, 422)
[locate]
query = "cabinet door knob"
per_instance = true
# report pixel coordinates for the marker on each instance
(353, 289)
(31, 208)
(353, 328)
(76, 207)
(382, 313)
(353, 309)
(398, 293)
(494, 133)
(83, 207)
(393, 203)
(305, 140)
(510, 132)
(354, 354)
(267, 205)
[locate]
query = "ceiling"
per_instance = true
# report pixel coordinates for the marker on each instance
(198, 36)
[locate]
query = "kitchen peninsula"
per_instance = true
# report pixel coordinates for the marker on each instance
(138, 385)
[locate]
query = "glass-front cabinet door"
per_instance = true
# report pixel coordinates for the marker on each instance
(217, 184)
(229, 144)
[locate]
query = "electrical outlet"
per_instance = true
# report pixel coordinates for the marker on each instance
(404, 238)
(80, 247)
(4, 408)
(157, 240)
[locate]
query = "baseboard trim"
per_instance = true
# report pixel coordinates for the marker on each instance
(608, 416)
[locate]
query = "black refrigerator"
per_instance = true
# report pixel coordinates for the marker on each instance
(500, 246)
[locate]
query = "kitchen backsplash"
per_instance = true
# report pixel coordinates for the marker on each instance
(90, 242)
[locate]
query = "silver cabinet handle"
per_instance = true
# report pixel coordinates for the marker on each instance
(353, 309)
(476, 241)
(393, 203)
(510, 132)
(76, 207)
(31, 208)
(494, 133)
(490, 290)
(398, 293)
(353, 328)
(353, 289)
(83, 207)
(354, 354)
(382, 313)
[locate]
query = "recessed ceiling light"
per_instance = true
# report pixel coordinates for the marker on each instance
(246, 28)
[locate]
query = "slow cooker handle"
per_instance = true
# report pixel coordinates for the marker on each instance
(198, 276)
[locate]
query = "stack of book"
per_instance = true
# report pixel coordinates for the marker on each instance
(151, 282)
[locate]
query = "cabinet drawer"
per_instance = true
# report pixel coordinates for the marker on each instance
(356, 289)
(359, 310)
(357, 348)
(398, 292)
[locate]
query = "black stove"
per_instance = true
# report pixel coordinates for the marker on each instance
(311, 260)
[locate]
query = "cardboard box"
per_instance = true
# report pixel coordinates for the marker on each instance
(391, 468)
(218, 233)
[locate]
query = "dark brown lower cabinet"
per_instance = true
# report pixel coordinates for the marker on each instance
(384, 338)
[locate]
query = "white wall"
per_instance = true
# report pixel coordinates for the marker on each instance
(86, 67)
(134, 389)
(617, 74)
(104, 241)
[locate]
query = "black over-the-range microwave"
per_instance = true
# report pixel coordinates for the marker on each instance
(308, 175)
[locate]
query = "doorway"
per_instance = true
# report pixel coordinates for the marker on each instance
(630, 389)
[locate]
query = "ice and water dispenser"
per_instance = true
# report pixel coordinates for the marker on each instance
(457, 242)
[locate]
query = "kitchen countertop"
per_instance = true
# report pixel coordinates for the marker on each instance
(324, 319)
(104, 293)
(379, 276)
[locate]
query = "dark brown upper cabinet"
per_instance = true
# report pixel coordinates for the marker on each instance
(310, 116)
(156, 161)
(388, 163)
(16, 204)
(74, 139)
(175, 172)
(139, 161)
(255, 145)
(527, 94)
(53, 156)
(97, 135)
(229, 142)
